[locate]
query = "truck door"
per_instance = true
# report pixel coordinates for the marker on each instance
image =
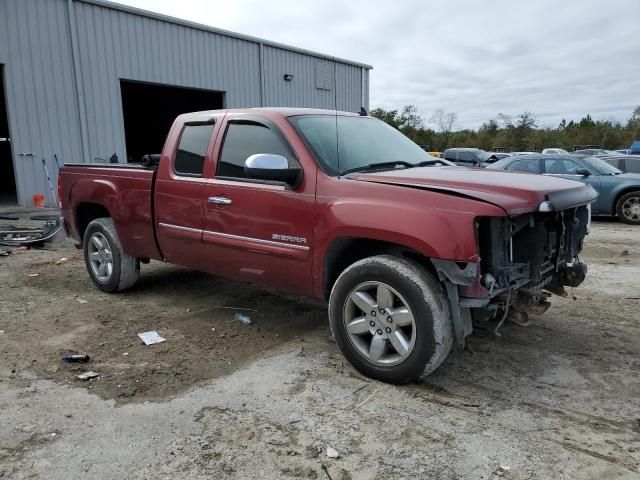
(258, 231)
(179, 192)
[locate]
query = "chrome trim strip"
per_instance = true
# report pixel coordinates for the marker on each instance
(179, 227)
(235, 237)
(257, 240)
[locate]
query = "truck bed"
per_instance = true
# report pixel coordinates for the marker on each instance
(125, 190)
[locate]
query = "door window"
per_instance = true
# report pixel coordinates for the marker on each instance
(632, 165)
(192, 149)
(560, 166)
(245, 139)
(525, 165)
(466, 157)
(450, 155)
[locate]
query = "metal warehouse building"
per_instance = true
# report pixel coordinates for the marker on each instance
(88, 79)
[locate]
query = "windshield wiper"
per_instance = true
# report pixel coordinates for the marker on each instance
(379, 165)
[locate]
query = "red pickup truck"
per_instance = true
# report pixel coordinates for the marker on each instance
(408, 250)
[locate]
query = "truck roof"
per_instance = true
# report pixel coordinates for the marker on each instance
(282, 111)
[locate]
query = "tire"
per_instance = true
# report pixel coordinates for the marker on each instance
(628, 208)
(425, 344)
(123, 271)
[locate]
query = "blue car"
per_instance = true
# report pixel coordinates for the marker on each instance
(619, 192)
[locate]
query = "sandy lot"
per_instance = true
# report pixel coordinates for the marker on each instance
(218, 399)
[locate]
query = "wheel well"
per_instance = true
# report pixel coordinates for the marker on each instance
(346, 251)
(620, 194)
(86, 213)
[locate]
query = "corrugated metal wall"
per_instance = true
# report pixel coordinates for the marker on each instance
(78, 113)
(41, 99)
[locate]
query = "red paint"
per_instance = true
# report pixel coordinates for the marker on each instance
(435, 217)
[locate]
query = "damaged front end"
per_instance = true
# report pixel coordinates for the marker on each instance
(523, 260)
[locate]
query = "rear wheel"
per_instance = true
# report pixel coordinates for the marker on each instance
(110, 268)
(390, 319)
(628, 208)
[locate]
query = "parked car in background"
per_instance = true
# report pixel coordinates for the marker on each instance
(435, 154)
(594, 151)
(554, 151)
(524, 153)
(624, 163)
(619, 192)
(624, 151)
(468, 157)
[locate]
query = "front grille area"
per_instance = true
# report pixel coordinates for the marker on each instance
(530, 249)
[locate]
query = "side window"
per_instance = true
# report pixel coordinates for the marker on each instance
(632, 165)
(450, 155)
(527, 166)
(613, 162)
(466, 157)
(245, 139)
(560, 166)
(189, 159)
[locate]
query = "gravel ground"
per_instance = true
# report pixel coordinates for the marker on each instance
(218, 399)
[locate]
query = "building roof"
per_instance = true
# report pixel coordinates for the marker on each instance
(219, 31)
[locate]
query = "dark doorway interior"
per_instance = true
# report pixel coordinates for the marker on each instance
(7, 175)
(150, 109)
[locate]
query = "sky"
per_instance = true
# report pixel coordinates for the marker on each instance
(554, 58)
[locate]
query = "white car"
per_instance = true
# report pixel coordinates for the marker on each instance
(554, 151)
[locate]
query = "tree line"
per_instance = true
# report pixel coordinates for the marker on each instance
(517, 133)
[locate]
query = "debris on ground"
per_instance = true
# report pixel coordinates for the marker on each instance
(87, 376)
(5, 253)
(243, 319)
(80, 300)
(34, 274)
(502, 470)
(625, 253)
(332, 453)
(62, 260)
(151, 338)
(76, 357)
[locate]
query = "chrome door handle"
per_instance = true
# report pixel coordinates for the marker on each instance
(220, 200)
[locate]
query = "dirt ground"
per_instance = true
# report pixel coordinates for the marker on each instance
(218, 399)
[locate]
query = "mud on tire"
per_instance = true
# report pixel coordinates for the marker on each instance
(124, 270)
(425, 300)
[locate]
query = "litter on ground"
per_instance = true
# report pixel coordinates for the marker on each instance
(150, 338)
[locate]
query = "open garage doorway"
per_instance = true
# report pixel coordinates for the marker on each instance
(7, 175)
(149, 109)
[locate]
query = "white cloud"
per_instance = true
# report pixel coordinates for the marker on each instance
(555, 59)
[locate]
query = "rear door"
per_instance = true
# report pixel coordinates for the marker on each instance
(180, 189)
(258, 231)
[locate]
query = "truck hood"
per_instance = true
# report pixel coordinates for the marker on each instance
(516, 193)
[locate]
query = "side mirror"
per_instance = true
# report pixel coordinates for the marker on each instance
(271, 167)
(583, 172)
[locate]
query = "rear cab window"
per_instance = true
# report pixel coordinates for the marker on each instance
(192, 150)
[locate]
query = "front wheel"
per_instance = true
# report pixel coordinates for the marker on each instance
(110, 268)
(391, 319)
(628, 208)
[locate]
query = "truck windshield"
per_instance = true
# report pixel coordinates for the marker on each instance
(359, 143)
